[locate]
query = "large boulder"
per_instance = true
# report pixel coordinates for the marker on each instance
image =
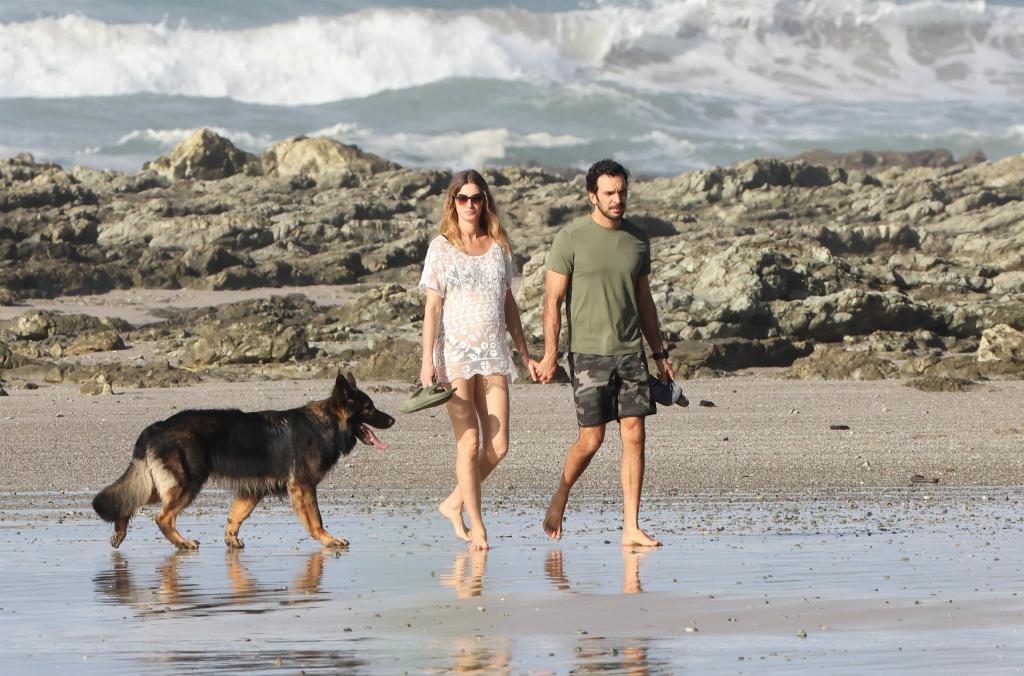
(205, 156)
(34, 325)
(851, 312)
(734, 286)
(246, 342)
(315, 157)
(1001, 343)
(103, 341)
(49, 188)
(834, 363)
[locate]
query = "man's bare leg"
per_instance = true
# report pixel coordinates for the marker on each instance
(576, 462)
(633, 438)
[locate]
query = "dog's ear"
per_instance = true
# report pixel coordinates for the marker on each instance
(341, 388)
(351, 380)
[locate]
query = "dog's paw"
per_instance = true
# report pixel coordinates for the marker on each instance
(188, 545)
(336, 543)
(116, 539)
(234, 543)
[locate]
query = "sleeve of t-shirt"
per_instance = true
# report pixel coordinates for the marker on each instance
(434, 269)
(560, 254)
(645, 261)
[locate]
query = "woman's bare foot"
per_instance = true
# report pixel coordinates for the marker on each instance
(478, 539)
(636, 537)
(553, 518)
(454, 514)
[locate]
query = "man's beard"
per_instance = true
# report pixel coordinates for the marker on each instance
(609, 215)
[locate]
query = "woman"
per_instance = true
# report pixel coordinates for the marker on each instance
(467, 279)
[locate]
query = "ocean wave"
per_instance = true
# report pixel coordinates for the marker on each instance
(837, 50)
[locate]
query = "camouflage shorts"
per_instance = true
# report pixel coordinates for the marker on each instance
(608, 388)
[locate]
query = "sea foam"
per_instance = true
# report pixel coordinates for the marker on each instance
(779, 50)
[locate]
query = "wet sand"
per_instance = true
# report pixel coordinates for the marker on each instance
(868, 582)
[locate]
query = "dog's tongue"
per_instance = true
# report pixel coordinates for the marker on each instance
(371, 438)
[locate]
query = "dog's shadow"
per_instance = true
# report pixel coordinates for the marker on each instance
(172, 592)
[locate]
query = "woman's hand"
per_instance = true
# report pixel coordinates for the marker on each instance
(531, 365)
(427, 375)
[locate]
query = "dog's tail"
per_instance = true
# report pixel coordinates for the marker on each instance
(121, 499)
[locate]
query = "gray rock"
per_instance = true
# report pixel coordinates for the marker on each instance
(318, 157)
(96, 342)
(205, 156)
(251, 342)
(833, 363)
(1001, 343)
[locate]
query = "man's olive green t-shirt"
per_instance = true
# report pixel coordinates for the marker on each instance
(603, 265)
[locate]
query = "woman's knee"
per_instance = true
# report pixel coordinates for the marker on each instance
(498, 449)
(468, 443)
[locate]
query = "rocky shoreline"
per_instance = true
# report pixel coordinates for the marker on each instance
(866, 266)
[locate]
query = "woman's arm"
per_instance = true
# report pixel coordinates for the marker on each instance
(431, 320)
(514, 324)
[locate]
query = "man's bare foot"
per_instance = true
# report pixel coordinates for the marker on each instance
(455, 516)
(638, 538)
(553, 518)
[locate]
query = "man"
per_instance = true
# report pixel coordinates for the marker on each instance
(599, 265)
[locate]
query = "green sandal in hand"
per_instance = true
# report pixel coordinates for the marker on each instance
(426, 397)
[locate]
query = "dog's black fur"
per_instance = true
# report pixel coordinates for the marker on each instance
(255, 454)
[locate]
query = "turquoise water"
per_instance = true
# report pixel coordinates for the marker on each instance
(663, 85)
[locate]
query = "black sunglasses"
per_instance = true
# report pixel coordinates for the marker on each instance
(477, 199)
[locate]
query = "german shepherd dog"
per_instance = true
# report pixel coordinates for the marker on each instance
(254, 454)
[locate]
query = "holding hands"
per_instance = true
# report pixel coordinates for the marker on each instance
(544, 371)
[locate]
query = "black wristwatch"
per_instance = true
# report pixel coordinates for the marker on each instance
(659, 355)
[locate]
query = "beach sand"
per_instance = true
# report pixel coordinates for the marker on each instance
(764, 434)
(789, 545)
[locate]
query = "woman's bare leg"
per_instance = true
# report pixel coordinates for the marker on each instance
(492, 408)
(463, 415)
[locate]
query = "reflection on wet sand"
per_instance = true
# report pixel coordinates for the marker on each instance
(467, 576)
(169, 592)
(599, 654)
(480, 655)
(631, 559)
(554, 568)
(620, 656)
(475, 655)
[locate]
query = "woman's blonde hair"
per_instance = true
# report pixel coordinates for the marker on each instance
(488, 217)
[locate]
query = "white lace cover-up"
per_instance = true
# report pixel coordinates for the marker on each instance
(471, 336)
